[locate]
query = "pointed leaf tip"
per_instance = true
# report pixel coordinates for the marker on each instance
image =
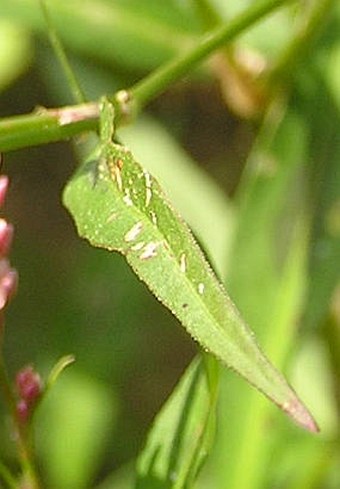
(300, 414)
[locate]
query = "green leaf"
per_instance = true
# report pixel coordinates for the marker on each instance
(54, 375)
(319, 108)
(180, 438)
(173, 167)
(58, 368)
(119, 206)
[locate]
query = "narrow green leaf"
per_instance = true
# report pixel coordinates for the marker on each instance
(180, 438)
(324, 205)
(119, 206)
(58, 368)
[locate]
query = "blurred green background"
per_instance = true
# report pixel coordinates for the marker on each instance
(75, 299)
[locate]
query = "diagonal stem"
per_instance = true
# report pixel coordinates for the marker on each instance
(159, 80)
(50, 125)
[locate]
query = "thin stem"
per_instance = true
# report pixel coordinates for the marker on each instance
(159, 80)
(61, 55)
(47, 126)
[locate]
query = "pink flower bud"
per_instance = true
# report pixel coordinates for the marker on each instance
(6, 236)
(8, 275)
(29, 385)
(8, 282)
(23, 410)
(4, 182)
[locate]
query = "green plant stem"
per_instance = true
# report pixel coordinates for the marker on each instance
(61, 55)
(159, 80)
(47, 126)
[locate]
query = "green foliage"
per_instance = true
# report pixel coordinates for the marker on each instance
(173, 170)
(262, 199)
(181, 436)
(119, 206)
(134, 36)
(267, 278)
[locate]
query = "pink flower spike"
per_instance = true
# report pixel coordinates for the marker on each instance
(6, 237)
(4, 182)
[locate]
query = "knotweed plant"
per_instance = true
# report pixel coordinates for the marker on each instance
(256, 291)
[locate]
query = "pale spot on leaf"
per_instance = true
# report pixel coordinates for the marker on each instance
(153, 217)
(127, 198)
(183, 263)
(147, 177)
(118, 176)
(134, 232)
(201, 288)
(138, 246)
(148, 195)
(149, 250)
(115, 167)
(148, 191)
(112, 217)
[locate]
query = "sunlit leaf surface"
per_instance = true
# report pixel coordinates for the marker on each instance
(119, 206)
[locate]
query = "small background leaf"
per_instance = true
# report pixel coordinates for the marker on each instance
(181, 435)
(15, 52)
(324, 199)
